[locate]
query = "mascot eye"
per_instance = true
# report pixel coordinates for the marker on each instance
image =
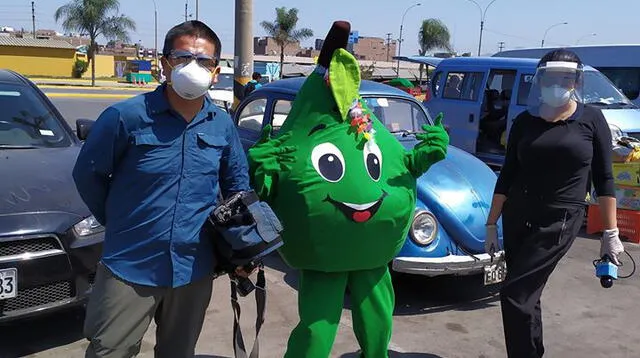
(373, 160)
(328, 161)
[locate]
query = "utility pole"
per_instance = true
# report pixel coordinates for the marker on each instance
(196, 9)
(501, 45)
(33, 18)
(388, 44)
(243, 50)
(186, 6)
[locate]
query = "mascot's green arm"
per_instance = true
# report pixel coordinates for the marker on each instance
(431, 149)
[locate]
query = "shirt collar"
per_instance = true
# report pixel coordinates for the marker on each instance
(157, 102)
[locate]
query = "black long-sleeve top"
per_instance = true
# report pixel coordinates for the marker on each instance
(550, 161)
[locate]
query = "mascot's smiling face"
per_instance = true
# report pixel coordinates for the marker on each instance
(349, 191)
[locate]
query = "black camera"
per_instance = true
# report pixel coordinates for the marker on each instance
(243, 230)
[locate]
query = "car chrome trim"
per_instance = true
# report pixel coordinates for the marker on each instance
(447, 265)
(31, 255)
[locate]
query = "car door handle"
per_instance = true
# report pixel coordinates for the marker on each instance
(471, 118)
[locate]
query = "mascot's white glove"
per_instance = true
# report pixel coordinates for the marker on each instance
(491, 245)
(611, 245)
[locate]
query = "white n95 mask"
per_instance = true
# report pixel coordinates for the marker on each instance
(190, 80)
(555, 96)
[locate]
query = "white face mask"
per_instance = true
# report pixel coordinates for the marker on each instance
(190, 81)
(555, 96)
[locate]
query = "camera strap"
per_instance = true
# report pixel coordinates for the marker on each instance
(261, 298)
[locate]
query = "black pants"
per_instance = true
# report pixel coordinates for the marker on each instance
(535, 239)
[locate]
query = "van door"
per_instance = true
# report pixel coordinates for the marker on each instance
(496, 110)
(520, 97)
(457, 94)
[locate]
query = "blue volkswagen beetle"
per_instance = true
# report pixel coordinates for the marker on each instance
(454, 196)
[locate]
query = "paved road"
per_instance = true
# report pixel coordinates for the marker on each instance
(75, 103)
(445, 317)
(452, 318)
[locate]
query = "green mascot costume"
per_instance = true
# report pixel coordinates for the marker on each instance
(345, 190)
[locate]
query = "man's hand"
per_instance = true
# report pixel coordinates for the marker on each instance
(241, 272)
(491, 245)
(611, 245)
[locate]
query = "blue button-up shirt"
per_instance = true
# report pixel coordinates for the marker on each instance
(152, 178)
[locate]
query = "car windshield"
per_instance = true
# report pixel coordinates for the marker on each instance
(398, 115)
(26, 121)
(225, 82)
(598, 89)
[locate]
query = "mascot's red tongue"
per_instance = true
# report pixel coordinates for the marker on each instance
(361, 216)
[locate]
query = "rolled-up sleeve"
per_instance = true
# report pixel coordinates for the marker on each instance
(602, 163)
(98, 159)
(234, 169)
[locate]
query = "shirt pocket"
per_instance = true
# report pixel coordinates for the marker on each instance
(154, 155)
(208, 153)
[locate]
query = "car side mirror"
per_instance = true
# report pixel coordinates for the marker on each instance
(83, 128)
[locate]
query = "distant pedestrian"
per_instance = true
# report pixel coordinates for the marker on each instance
(253, 85)
(552, 148)
(149, 172)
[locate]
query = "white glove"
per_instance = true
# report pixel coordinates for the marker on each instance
(611, 245)
(491, 245)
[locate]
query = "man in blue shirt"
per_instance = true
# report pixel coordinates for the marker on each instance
(150, 171)
(253, 85)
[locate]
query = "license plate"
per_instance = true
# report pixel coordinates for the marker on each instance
(8, 283)
(495, 272)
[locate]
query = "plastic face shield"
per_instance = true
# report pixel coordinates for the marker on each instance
(554, 86)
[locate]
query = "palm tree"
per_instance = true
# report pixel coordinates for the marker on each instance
(283, 30)
(433, 35)
(95, 18)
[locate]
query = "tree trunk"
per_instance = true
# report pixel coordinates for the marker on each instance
(92, 58)
(420, 70)
(281, 60)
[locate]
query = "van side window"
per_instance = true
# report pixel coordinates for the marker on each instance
(453, 85)
(627, 79)
(523, 89)
(435, 84)
(471, 86)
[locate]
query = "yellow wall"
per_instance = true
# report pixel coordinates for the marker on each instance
(39, 61)
(104, 67)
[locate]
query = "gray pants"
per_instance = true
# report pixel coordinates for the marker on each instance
(119, 314)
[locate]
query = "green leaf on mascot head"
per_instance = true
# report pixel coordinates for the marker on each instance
(344, 80)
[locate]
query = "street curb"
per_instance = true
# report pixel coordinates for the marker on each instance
(88, 95)
(96, 88)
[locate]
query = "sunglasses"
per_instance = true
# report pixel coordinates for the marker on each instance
(184, 57)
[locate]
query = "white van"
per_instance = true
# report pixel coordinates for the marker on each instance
(620, 63)
(222, 91)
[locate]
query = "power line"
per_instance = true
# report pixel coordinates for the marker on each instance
(516, 37)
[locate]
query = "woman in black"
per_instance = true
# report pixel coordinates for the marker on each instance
(541, 191)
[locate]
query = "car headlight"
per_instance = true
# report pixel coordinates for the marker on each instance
(424, 228)
(88, 226)
(615, 131)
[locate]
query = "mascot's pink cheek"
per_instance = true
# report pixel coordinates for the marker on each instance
(361, 216)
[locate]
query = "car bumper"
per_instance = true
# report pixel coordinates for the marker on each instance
(52, 275)
(447, 265)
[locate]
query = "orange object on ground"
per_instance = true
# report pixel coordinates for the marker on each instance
(628, 223)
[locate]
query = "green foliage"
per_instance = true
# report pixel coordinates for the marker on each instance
(95, 18)
(283, 30)
(79, 68)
